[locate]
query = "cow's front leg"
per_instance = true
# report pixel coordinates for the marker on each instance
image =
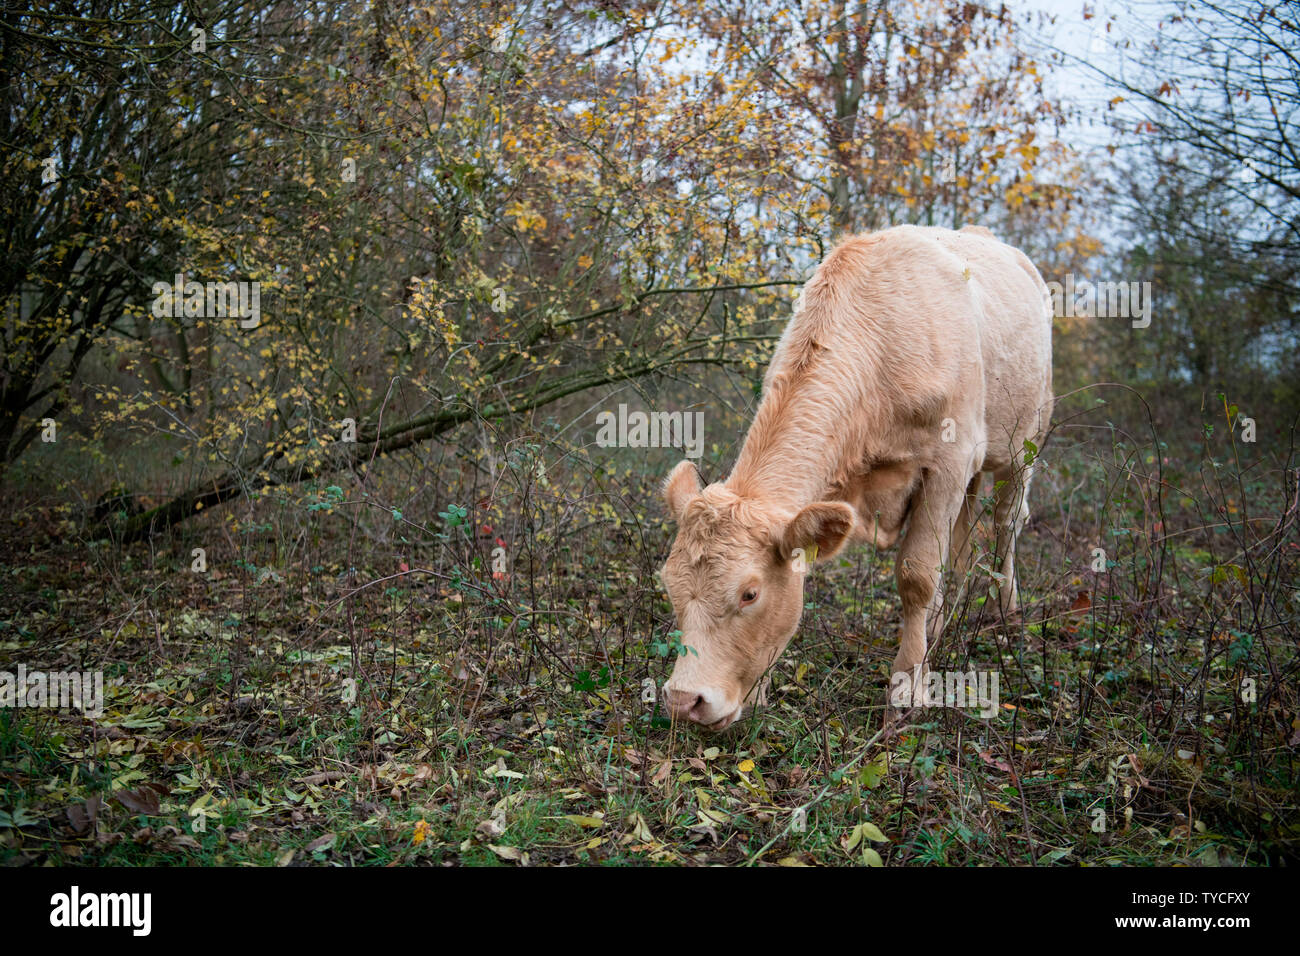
(918, 572)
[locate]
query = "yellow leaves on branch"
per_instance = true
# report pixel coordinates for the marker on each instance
(425, 308)
(527, 220)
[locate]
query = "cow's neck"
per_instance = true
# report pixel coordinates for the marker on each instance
(793, 453)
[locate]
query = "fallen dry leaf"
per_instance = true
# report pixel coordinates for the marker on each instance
(327, 776)
(326, 841)
(512, 853)
(141, 800)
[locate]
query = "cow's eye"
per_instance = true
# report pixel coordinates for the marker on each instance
(749, 597)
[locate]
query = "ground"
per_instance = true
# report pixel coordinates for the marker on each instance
(340, 684)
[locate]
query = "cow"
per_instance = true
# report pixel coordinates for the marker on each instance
(917, 359)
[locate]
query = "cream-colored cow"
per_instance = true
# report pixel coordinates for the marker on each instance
(917, 359)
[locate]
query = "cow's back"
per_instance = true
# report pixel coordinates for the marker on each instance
(922, 323)
(1015, 323)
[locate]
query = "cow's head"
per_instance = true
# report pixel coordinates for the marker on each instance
(735, 579)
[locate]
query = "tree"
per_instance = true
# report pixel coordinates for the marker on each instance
(453, 216)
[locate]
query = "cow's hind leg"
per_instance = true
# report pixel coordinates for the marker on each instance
(1010, 512)
(961, 555)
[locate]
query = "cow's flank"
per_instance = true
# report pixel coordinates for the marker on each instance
(917, 359)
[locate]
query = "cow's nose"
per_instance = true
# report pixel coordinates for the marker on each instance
(690, 704)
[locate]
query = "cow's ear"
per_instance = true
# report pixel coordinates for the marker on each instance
(825, 525)
(681, 485)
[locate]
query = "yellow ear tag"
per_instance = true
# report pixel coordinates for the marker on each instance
(810, 553)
